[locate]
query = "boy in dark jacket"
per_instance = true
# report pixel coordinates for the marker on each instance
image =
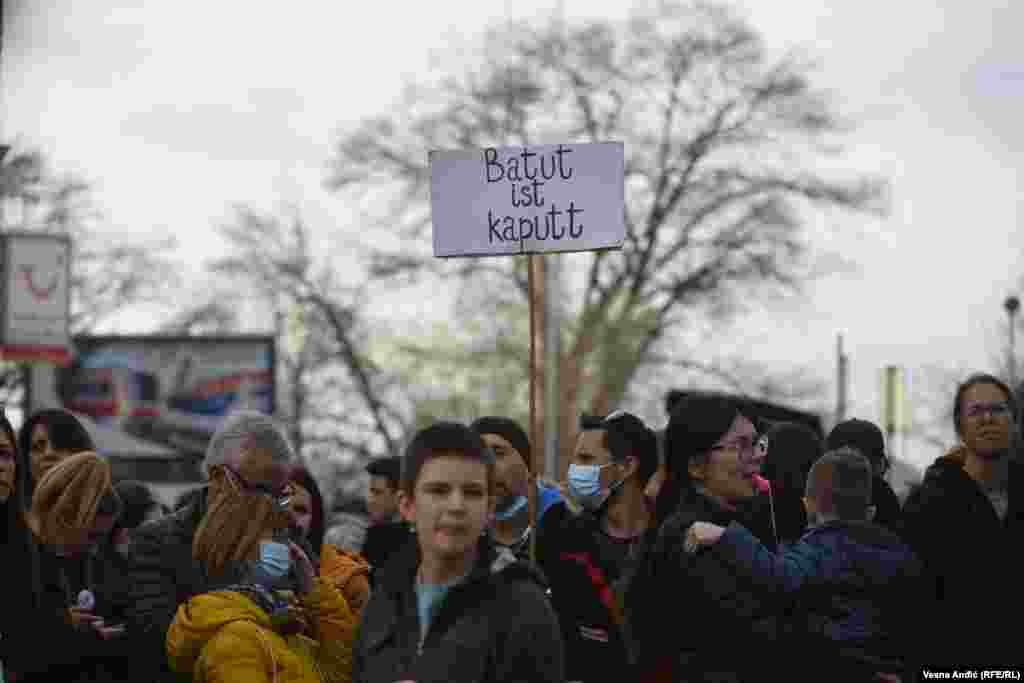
(853, 582)
(451, 607)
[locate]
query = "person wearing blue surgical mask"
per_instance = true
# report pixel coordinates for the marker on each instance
(587, 555)
(279, 620)
(512, 526)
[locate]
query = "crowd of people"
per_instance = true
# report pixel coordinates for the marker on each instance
(722, 548)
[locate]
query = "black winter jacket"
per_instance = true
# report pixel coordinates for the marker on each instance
(692, 617)
(495, 627)
(40, 644)
(970, 561)
(586, 592)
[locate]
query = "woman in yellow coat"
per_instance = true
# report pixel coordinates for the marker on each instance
(254, 632)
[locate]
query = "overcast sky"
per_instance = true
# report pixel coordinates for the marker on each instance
(175, 110)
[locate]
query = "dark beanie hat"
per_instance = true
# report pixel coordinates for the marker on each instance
(862, 435)
(138, 500)
(508, 430)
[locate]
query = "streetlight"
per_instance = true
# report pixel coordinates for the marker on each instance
(1012, 305)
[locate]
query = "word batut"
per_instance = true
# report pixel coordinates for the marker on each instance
(511, 168)
(541, 226)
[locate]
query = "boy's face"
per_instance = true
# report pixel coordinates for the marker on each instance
(450, 506)
(381, 500)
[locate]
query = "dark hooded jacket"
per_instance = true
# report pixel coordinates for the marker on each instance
(384, 541)
(19, 569)
(161, 576)
(969, 560)
(496, 626)
(39, 586)
(73, 655)
(689, 616)
(586, 569)
(855, 588)
(888, 512)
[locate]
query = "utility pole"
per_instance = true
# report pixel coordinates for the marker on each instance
(1012, 306)
(553, 327)
(842, 380)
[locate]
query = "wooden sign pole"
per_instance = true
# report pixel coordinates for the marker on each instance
(534, 441)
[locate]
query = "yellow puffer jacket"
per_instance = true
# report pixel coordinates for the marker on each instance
(225, 636)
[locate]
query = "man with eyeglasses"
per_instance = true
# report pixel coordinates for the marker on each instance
(966, 523)
(252, 459)
(585, 556)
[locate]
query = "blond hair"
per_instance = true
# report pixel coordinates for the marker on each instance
(234, 524)
(71, 494)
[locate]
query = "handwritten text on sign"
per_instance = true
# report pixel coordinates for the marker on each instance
(520, 200)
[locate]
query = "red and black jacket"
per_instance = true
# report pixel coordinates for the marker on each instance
(584, 595)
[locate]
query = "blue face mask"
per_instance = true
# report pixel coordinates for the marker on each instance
(585, 485)
(275, 559)
(512, 510)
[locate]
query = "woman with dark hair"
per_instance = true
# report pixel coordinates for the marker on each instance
(17, 572)
(962, 522)
(712, 457)
(48, 437)
(348, 572)
(791, 449)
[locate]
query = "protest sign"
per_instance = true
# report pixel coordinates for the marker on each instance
(527, 200)
(537, 199)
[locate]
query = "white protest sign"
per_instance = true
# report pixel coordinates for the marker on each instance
(36, 297)
(523, 200)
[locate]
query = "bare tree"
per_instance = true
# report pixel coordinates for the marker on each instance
(721, 143)
(337, 399)
(109, 275)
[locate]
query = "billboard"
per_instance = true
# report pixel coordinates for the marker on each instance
(35, 297)
(167, 391)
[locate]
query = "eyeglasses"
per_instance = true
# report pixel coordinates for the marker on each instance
(281, 497)
(748, 448)
(976, 410)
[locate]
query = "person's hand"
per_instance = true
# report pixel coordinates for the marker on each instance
(82, 618)
(304, 571)
(701, 534)
(888, 678)
(107, 632)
